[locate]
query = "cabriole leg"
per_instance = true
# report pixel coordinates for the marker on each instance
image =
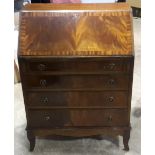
(31, 139)
(126, 137)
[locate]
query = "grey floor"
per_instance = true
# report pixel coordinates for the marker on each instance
(85, 146)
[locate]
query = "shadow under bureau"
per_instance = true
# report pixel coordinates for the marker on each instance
(76, 65)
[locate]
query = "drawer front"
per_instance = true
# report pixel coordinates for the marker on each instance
(77, 118)
(107, 82)
(78, 99)
(78, 66)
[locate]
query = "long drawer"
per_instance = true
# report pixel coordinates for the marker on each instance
(77, 118)
(78, 99)
(76, 65)
(89, 82)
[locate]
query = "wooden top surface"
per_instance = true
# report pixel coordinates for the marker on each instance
(76, 30)
(81, 6)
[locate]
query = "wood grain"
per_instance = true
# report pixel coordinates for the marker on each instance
(105, 99)
(76, 33)
(80, 6)
(76, 65)
(76, 118)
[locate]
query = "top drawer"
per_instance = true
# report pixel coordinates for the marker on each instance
(75, 65)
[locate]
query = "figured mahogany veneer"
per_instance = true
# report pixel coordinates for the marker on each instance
(69, 82)
(76, 30)
(76, 66)
(70, 118)
(80, 65)
(77, 99)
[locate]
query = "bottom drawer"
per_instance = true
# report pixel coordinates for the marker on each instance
(77, 118)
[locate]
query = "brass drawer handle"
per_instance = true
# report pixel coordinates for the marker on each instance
(43, 83)
(44, 100)
(111, 82)
(47, 118)
(112, 66)
(110, 118)
(41, 67)
(111, 99)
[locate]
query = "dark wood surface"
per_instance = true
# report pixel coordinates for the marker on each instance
(80, 65)
(77, 82)
(77, 118)
(71, 94)
(95, 99)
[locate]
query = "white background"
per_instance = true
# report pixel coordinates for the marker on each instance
(6, 78)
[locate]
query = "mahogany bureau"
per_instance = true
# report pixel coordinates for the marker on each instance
(76, 66)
